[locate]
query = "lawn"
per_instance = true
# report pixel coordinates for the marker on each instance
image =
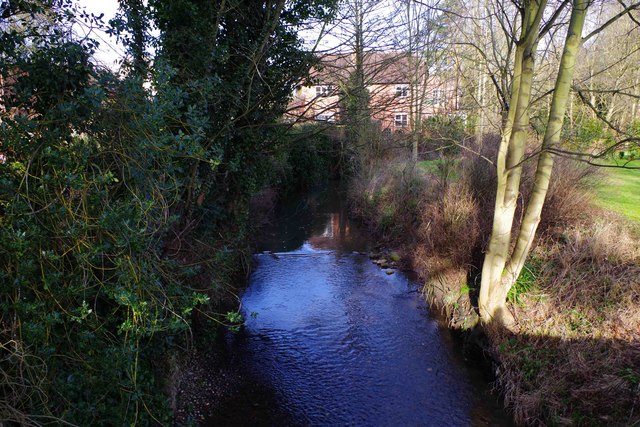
(619, 191)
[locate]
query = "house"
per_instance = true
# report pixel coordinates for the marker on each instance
(401, 91)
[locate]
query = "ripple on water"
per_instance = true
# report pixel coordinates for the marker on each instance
(343, 343)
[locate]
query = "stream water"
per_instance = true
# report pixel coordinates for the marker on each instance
(335, 340)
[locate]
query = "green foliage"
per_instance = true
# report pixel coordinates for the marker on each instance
(307, 154)
(107, 183)
(360, 140)
(443, 135)
(84, 277)
(526, 282)
(235, 320)
(587, 132)
(444, 168)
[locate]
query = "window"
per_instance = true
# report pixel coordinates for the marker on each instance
(438, 96)
(324, 90)
(324, 117)
(402, 121)
(402, 91)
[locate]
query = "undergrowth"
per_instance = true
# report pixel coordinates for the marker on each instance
(573, 357)
(124, 196)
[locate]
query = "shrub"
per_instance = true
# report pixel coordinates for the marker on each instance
(580, 326)
(307, 156)
(388, 198)
(449, 223)
(95, 285)
(587, 133)
(441, 135)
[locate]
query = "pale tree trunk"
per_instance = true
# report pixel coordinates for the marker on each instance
(360, 105)
(481, 122)
(636, 92)
(480, 92)
(592, 94)
(571, 108)
(493, 290)
(552, 134)
(611, 110)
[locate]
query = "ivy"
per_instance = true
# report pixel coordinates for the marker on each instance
(123, 204)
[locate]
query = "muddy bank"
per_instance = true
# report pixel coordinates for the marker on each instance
(212, 391)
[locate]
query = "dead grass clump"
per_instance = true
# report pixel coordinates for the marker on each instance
(479, 174)
(445, 288)
(553, 381)
(605, 242)
(569, 193)
(576, 357)
(593, 281)
(568, 197)
(449, 224)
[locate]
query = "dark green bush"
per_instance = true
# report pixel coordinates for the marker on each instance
(308, 155)
(123, 198)
(442, 135)
(87, 291)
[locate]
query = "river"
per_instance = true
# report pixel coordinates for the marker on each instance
(332, 339)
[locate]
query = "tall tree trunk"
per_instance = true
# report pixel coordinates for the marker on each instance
(481, 116)
(501, 276)
(552, 134)
(493, 289)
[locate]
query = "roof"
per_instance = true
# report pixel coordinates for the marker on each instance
(379, 68)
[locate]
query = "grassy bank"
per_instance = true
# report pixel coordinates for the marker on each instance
(573, 357)
(619, 191)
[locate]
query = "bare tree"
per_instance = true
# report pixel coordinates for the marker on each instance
(503, 262)
(422, 34)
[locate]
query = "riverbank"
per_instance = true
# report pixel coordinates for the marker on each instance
(573, 357)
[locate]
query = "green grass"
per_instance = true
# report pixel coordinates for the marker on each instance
(619, 191)
(437, 166)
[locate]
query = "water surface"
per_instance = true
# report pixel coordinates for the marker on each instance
(338, 341)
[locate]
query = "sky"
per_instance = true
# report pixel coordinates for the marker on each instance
(109, 50)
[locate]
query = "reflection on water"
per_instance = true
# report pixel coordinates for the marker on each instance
(340, 342)
(319, 220)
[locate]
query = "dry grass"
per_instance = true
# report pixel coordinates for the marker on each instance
(569, 195)
(576, 357)
(448, 224)
(434, 221)
(387, 196)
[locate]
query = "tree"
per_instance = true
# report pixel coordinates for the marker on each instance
(103, 178)
(502, 266)
(360, 27)
(422, 36)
